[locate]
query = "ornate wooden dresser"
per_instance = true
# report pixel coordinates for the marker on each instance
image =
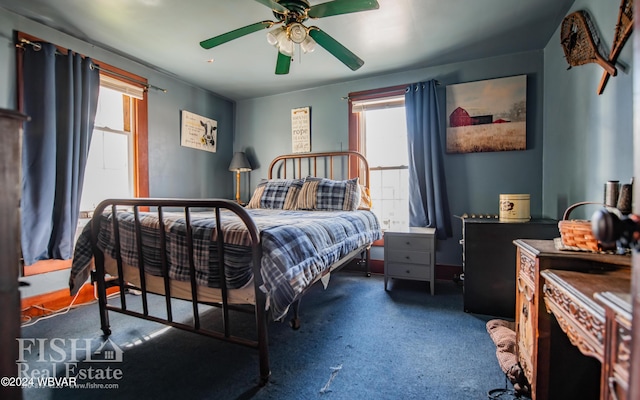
(574, 298)
(533, 321)
(617, 352)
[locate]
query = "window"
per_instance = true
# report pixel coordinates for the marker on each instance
(117, 162)
(109, 171)
(378, 130)
(133, 103)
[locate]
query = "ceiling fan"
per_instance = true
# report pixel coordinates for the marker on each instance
(291, 14)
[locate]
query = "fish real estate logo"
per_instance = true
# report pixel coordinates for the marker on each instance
(68, 362)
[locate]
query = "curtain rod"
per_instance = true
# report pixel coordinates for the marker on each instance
(416, 89)
(144, 84)
(38, 47)
(381, 93)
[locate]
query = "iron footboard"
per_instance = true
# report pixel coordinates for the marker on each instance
(186, 206)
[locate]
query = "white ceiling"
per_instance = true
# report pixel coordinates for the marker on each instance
(400, 35)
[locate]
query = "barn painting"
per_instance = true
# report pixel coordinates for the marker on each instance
(489, 115)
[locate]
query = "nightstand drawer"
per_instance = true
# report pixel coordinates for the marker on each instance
(409, 242)
(409, 271)
(409, 257)
(410, 254)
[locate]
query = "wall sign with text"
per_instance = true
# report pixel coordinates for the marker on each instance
(301, 130)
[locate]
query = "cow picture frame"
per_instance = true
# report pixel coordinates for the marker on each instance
(487, 116)
(198, 132)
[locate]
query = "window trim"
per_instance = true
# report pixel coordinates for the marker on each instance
(140, 139)
(355, 123)
(355, 141)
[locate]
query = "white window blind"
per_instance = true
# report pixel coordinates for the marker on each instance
(377, 103)
(123, 87)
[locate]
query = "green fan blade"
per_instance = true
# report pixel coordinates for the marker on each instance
(337, 7)
(273, 5)
(226, 37)
(334, 47)
(283, 64)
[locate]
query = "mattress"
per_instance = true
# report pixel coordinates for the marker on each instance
(297, 248)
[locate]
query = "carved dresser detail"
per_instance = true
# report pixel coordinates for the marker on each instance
(585, 330)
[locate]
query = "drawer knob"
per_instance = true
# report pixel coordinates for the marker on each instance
(408, 258)
(408, 271)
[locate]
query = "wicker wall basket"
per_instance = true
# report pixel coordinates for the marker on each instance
(577, 234)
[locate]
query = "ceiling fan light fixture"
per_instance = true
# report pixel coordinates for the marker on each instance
(272, 36)
(296, 32)
(279, 37)
(292, 14)
(308, 45)
(276, 36)
(285, 47)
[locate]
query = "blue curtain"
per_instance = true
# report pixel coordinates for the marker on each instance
(428, 201)
(60, 97)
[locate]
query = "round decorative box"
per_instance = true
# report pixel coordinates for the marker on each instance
(515, 207)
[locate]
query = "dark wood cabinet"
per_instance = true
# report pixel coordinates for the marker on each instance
(488, 261)
(10, 156)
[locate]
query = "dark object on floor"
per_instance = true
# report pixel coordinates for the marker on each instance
(504, 394)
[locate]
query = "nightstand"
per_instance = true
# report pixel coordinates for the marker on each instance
(410, 254)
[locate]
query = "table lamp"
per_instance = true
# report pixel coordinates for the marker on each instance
(239, 163)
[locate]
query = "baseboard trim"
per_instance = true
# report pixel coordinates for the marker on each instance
(376, 266)
(44, 266)
(448, 272)
(40, 305)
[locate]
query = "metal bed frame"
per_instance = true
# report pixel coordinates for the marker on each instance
(333, 163)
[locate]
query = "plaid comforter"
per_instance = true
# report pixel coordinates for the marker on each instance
(297, 246)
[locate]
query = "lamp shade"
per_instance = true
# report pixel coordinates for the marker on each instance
(239, 162)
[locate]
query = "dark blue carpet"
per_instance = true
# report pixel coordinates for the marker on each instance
(356, 341)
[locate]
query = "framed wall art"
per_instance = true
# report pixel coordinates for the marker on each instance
(301, 130)
(198, 132)
(489, 115)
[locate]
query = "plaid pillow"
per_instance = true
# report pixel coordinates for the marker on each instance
(329, 195)
(278, 194)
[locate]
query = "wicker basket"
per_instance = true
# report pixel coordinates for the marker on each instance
(577, 234)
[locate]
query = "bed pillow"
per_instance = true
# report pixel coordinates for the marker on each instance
(279, 194)
(329, 195)
(365, 198)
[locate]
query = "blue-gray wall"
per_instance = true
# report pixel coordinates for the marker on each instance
(474, 181)
(174, 171)
(576, 140)
(587, 138)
